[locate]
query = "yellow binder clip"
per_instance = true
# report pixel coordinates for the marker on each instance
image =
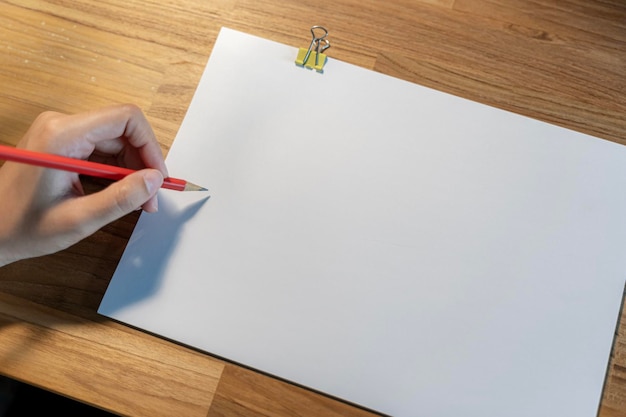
(313, 58)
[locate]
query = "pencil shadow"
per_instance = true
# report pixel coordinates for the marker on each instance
(143, 270)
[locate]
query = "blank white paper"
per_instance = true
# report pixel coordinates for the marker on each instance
(403, 249)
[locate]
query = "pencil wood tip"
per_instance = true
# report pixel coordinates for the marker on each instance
(193, 187)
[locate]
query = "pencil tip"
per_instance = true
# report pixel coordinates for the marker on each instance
(193, 187)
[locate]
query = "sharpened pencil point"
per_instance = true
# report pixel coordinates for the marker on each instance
(193, 187)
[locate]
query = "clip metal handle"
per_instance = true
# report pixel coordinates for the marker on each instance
(317, 43)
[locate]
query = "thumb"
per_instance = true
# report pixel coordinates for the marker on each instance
(124, 196)
(76, 218)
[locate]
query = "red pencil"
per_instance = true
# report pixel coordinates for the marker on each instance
(80, 166)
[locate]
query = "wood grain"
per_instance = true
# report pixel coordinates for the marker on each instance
(245, 392)
(559, 61)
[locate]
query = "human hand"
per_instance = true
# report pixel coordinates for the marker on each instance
(45, 210)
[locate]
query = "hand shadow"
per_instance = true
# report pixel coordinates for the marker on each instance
(142, 269)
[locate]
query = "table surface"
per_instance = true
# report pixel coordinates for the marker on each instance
(562, 62)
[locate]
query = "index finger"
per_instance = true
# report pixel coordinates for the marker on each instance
(113, 130)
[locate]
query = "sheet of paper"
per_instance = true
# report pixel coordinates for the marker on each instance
(400, 248)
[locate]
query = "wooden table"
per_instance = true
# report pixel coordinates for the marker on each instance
(559, 61)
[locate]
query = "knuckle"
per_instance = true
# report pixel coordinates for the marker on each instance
(123, 199)
(48, 127)
(128, 196)
(132, 110)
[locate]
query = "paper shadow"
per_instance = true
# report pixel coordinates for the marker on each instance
(142, 270)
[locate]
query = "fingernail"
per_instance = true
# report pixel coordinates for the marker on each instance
(153, 180)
